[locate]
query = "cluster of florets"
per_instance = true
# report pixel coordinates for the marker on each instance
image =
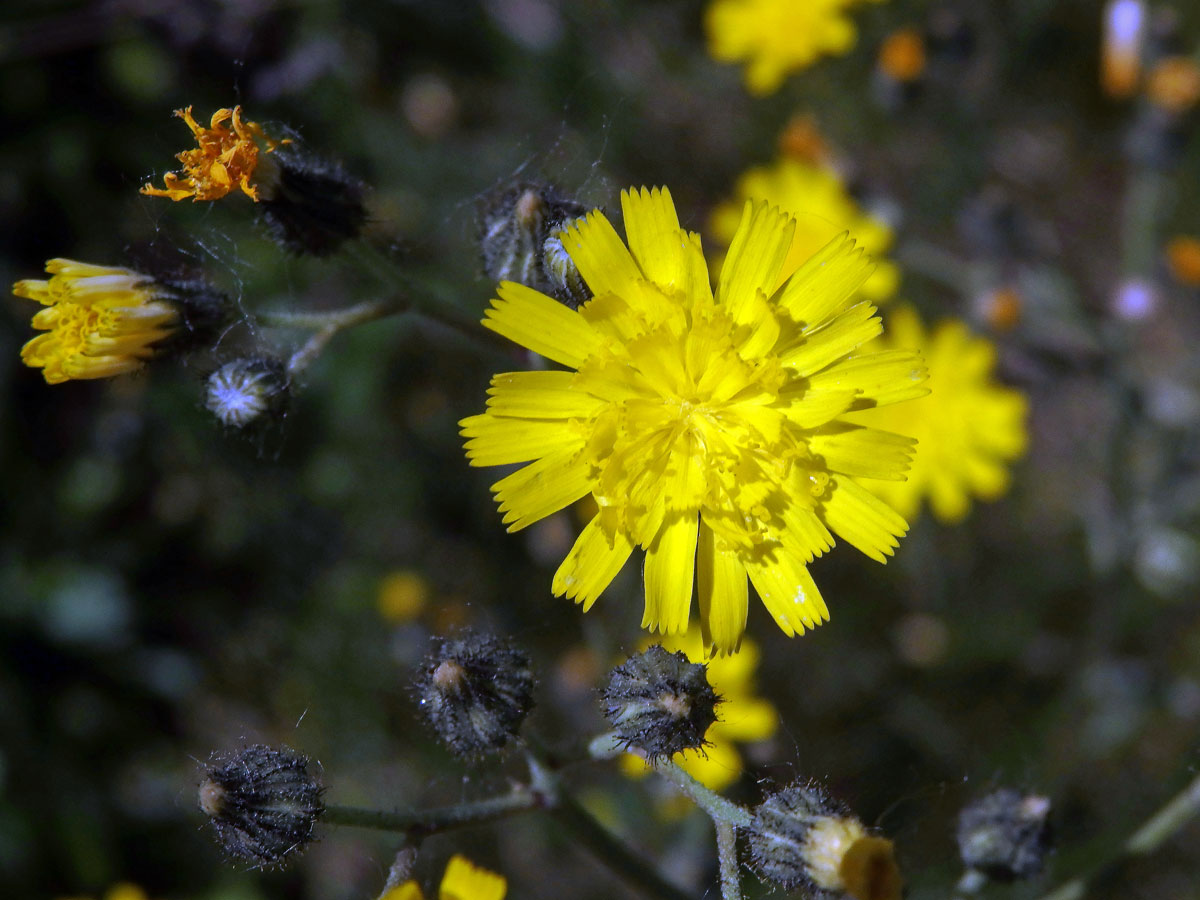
(475, 690)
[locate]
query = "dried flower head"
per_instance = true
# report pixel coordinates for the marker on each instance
(1005, 835)
(247, 391)
(475, 690)
(104, 320)
(225, 159)
(262, 802)
(800, 838)
(660, 703)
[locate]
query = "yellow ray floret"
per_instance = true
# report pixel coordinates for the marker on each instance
(226, 158)
(99, 321)
(707, 428)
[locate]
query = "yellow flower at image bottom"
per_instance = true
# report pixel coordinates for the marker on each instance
(968, 429)
(818, 200)
(708, 427)
(742, 716)
(463, 880)
(777, 37)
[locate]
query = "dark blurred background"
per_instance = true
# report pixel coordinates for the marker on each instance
(168, 589)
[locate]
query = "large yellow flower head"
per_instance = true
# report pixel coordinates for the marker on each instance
(968, 429)
(823, 208)
(226, 158)
(463, 880)
(742, 716)
(776, 37)
(100, 320)
(707, 428)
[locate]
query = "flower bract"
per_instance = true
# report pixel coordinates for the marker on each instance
(226, 158)
(968, 429)
(99, 320)
(817, 198)
(776, 37)
(708, 427)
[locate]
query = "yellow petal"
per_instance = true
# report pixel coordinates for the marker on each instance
(843, 334)
(880, 378)
(601, 257)
(541, 488)
(670, 574)
(655, 239)
(494, 441)
(787, 590)
(859, 517)
(464, 880)
(716, 766)
(410, 890)
(825, 283)
(542, 324)
(723, 594)
(755, 257)
(746, 720)
(866, 452)
(598, 555)
(540, 395)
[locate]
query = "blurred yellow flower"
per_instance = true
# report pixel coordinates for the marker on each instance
(708, 428)
(225, 159)
(101, 320)
(742, 716)
(776, 37)
(968, 429)
(814, 194)
(463, 880)
(402, 596)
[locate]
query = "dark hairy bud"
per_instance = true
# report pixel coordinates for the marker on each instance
(801, 838)
(660, 702)
(520, 237)
(311, 205)
(262, 803)
(475, 690)
(1005, 835)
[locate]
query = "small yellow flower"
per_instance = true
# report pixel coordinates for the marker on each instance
(968, 429)
(708, 428)
(776, 37)
(742, 716)
(814, 194)
(463, 880)
(226, 158)
(101, 320)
